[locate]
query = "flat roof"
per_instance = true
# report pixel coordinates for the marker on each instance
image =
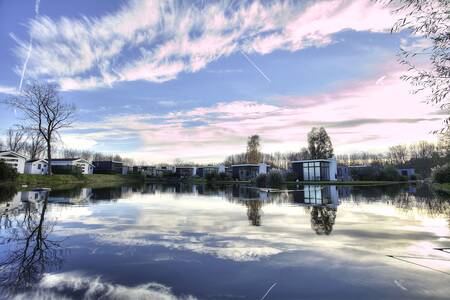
(248, 165)
(108, 160)
(312, 160)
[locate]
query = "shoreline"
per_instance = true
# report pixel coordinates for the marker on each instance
(27, 181)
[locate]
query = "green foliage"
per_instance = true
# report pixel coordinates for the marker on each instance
(441, 174)
(261, 180)
(6, 172)
(319, 144)
(376, 174)
(274, 179)
(67, 170)
(389, 174)
(210, 177)
(365, 173)
(7, 192)
(291, 176)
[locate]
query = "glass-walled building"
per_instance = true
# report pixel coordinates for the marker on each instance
(315, 170)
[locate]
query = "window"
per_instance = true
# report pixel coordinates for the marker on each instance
(39, 166)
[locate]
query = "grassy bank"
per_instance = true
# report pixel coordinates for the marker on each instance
(68, 181)
(442, 187)
(290, 183)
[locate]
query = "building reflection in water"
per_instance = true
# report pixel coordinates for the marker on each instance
(320, 202)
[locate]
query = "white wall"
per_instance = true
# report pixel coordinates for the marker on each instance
(333, 169)
(32, 168)
(262, 168)
(16, 162)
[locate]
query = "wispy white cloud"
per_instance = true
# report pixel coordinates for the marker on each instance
(157, 40)
(373, 113)
(9, 90)
(88, 287)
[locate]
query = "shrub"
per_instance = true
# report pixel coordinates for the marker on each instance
(365, 173)
(389, 174)
(67, 170)
(261, 180)
(274, 179)
(6, 172)
(211, 176)
(441, 174)
(291, 176)
(218, 177)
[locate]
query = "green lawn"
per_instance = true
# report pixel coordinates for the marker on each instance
(442, 187)
(68, 181)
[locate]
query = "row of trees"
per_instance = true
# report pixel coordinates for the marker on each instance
(319, 147)
(43, 115)
(28, 143)
(423, 156)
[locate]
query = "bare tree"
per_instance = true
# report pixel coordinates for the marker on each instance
(398, 154)
(428, 19)
(44, 112)
(15, 139)
(35, 146)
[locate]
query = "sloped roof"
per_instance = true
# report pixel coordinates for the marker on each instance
(37, 159)
(13, 153)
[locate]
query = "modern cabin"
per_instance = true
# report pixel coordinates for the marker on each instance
(36, 166)
(203, 171)
(63, 165)
(408, 172)
(108, 167)
(14, 160)
(248, 171)
(315, 169)
(185, 171)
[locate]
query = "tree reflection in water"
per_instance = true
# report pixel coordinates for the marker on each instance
(254, 212)
(29, 251)
(322, 219)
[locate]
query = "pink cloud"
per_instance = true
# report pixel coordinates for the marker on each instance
(371, 114)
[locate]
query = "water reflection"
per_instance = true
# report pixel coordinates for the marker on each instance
(27, 249)
(139, 239)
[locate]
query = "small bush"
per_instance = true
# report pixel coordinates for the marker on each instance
(441, 174)
(261, 180)
(210, 177)
(291, 176)
(67, 170)
(389, 174)
(274, 179)
(365, 173)
(6, 172)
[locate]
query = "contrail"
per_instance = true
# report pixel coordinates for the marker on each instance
(255, 66)
(30, 47)
(268, 291)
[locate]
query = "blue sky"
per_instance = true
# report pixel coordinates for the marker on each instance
(159, 80)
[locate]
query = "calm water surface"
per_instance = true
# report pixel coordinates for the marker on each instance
(232, 242)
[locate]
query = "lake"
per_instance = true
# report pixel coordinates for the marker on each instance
(225, 242)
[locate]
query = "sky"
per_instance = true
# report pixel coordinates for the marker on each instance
(163, 80)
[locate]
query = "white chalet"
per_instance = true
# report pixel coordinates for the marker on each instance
(14, 160)
(36, 166)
